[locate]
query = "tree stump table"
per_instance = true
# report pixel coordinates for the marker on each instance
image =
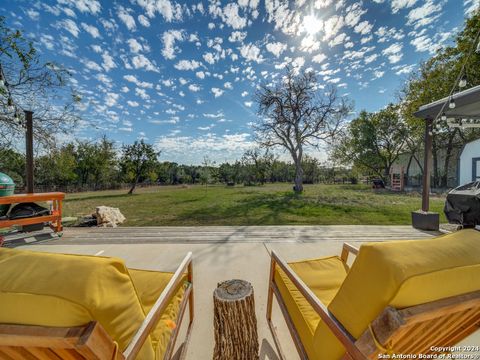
(235, 322)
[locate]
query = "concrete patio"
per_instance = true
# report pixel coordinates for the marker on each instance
(221, 253)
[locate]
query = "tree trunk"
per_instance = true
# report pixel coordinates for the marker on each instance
(298, 177)
(435, 162)
(235, 323)
(134, 185)
(448, 155)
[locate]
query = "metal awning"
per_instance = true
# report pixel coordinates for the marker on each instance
(467, 105)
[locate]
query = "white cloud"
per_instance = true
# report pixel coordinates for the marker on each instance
(425, 14)
(237, 36)
(353, 14)
(363, 28)
(86, 6)
(70, 26)
(217, 92)
(142, 19)
(189, 149)
(244, 93)
(319, 58)
(187, 65)
(135, 46)
(133, 79)
(108, 62)
(165, 8)
(92, 65)
(111, 99)
(471, 6)
(228, 85)
(92, 30)
(276, 48)
(168, 38)
(132, 103)
(251, 53)
(142, 93)
(402, 4)
(248, 103)
(209, 58)
(33, 14)
(194, 87)
(394, 52)
(141, 62)
(200, 74)
(232, 18)
(127, 19)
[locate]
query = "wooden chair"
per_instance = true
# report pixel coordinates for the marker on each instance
(423, 328)
(91, 341)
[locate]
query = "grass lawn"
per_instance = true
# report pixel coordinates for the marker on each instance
(263, 205)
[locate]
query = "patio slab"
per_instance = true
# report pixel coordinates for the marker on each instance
(220, 256)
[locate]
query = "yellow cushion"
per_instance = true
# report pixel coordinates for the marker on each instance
(149, 286)
(401, 274)
(70, 290)
(323, 276)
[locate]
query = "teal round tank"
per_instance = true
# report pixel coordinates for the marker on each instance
(7, 187)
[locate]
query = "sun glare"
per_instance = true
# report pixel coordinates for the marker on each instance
(311, 24)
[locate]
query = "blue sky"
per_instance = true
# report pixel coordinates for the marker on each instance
(182, 74)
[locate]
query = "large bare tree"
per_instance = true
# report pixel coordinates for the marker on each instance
(297, 112)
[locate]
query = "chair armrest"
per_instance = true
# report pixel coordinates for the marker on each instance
(346, 250)
(158, 308)
(347, 340)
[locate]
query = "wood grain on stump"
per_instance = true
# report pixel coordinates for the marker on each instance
(235, 322)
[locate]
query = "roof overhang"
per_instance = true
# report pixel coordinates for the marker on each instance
(467, 104)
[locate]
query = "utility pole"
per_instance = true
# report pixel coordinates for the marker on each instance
(29, 151)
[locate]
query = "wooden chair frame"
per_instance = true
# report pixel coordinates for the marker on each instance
(91, 341)
(409, 329)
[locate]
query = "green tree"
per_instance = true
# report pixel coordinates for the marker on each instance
(373, 141)
(137, 161)
(433, 81)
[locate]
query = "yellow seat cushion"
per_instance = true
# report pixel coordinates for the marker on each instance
(401, 274)
(71, 290)
(149, 286)
(324, 277)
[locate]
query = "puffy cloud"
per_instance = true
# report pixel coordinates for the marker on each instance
(92, 65)
(187, 65)
(209, 58)
(319, 58)
(276, 48)
(132, 103)
(244, 93)
(425, 14)
(169, 38)
(135, 46)
(133, 79)
(228, 85)
(402, 4)
(232, 18)
(363, 28)
(394, 52)
(142, 19)
(33, 14)
(237, 36)
(251, 53)
(124, 15)
(111, 99)
(92, 30)
(108, 62)
(141, 62)
(165, 8)
(248, 103)
(70, 26)
(217, 92)
(194, 87)
(86, 6)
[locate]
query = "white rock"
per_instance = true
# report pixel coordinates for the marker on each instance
(108, 216)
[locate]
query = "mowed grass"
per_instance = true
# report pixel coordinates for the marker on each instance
(273, 204)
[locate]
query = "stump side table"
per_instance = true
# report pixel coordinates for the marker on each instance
(235, 322)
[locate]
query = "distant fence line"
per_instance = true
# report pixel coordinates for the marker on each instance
(83, 188)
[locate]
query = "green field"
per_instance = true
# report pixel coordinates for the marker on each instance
(262, 205)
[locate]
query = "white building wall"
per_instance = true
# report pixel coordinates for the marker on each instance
(470, 151)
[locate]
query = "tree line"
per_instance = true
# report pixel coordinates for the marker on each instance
(100, 164)
(373, 141)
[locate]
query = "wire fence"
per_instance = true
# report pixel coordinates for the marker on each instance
(75, 188)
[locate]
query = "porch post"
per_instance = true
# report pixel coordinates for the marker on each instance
(426, 166)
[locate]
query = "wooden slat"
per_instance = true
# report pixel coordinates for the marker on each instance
(23, 198)
(333, 324)
(43, 353)
(39, 336)
(156, 311)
